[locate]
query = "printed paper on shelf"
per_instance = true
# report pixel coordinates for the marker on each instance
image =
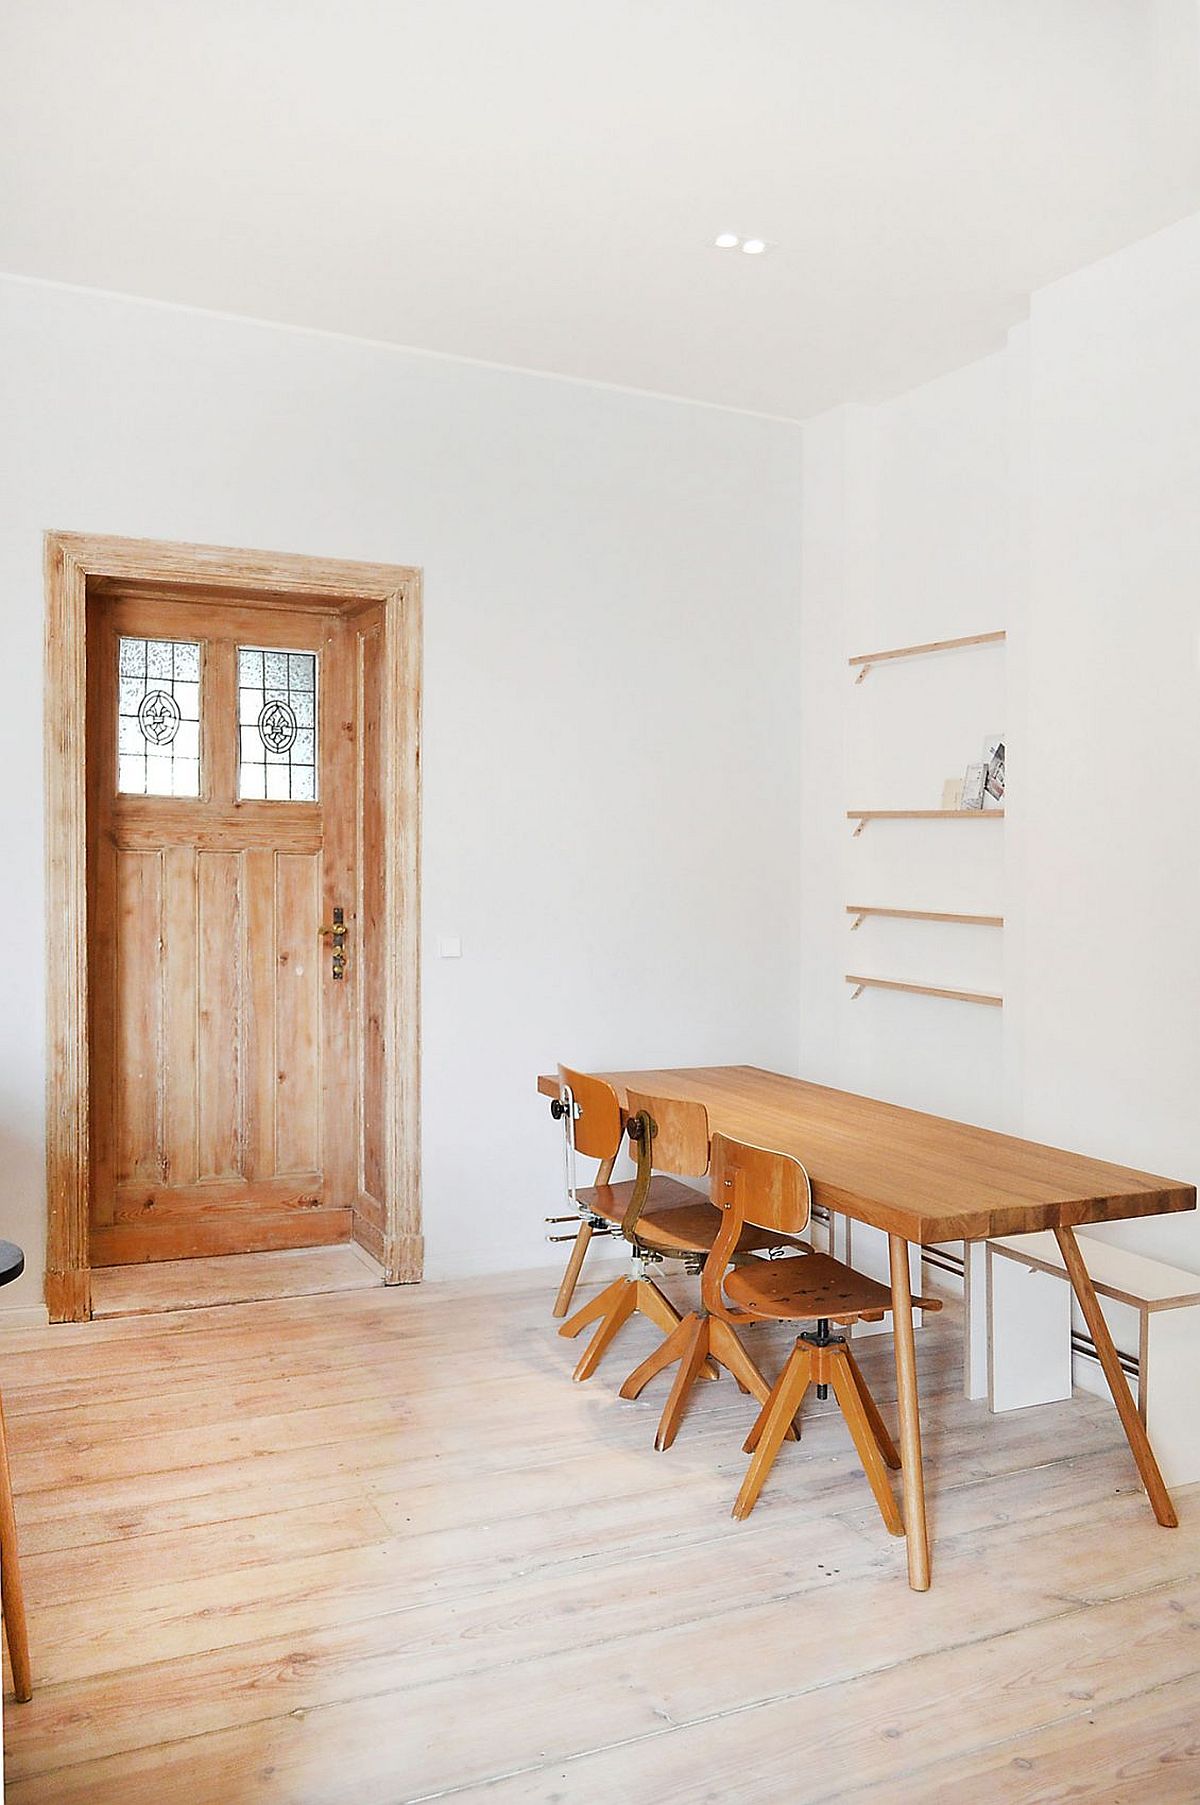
(973, 786)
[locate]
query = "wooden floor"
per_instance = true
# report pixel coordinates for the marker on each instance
(233, 1278)
(374, 1547)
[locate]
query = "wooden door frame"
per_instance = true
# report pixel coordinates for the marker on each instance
(72, 561)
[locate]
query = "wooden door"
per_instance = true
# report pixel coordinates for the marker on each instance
(224, 784)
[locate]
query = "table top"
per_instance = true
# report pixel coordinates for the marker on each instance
(920, 1176)
(12, 1262)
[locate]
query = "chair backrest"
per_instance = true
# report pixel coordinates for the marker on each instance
(599, 1126)
(751, 1185)
(665, 1135)
(678, 1133)
(757, 1185)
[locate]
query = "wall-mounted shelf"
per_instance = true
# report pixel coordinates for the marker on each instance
(863, 815)
(866, 659)
(861, 910)
(924, 990)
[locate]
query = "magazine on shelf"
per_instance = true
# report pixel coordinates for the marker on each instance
(993, 754)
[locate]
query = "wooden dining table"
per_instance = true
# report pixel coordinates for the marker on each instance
(924, 1179)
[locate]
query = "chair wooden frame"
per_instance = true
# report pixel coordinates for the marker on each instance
(700, 1343)
(564, 1109)
(597, 1131)
(772, 1190)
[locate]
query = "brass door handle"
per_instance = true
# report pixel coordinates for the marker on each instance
(337, 933)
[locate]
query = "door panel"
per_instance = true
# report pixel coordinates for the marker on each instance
(297, 1094)
(138, 1015)
(259, 1035)
(180, 1041)
(224, 1070)
(215, 997)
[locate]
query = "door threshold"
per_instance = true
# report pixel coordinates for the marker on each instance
(234, 1278)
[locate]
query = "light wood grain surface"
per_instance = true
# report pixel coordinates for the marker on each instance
(242, 1278)
(915, 1175)
(375, 1547)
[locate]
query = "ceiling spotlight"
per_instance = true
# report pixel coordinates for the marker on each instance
(753, 247)
(727, 241)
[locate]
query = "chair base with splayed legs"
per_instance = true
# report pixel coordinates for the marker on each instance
(611, 1309)
(696, 1343)
(823, 1360)
(772, 1190)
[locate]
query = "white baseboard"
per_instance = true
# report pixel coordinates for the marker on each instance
(24, 1316)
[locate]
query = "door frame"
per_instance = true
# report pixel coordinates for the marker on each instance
(72, 562)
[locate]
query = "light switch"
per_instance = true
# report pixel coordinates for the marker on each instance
(449, 946)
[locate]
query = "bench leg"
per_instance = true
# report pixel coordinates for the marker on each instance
(1118, 1384)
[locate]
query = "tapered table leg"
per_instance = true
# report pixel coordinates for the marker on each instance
(911, 1470)
(12, 1593)
(1118, 1384)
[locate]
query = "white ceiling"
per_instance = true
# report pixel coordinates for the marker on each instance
(538, 182)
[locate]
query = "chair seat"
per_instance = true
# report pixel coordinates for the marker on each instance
(676, 1218)
(802, 1290)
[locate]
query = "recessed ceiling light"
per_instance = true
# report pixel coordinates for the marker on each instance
(727, 241)
(754, 247)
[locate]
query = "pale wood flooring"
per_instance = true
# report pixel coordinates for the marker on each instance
(233, 1278)
(374, 1547)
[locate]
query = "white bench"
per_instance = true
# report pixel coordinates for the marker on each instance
(1151, 1309)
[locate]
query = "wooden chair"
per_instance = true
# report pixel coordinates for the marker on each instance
(591, 1134)
(752, 1185)
(673, 1135)
(597, 1128)
(659, 1217)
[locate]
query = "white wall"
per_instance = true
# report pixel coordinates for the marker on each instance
(1111, 1044)
(906, 540)
(610, 635)
(1051, 490)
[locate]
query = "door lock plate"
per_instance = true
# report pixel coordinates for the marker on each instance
(336, 935)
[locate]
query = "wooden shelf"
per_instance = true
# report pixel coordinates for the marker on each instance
(866, 659)
(862, 910)
(924, 990)
(863, 815)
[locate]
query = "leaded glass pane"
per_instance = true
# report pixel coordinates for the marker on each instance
(158, 717)
(277, 724)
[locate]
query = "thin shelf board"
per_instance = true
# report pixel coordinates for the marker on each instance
(866, 659)
(924, 990)
(862, 910)
(863, 815)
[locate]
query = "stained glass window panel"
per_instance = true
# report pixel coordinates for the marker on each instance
(277, 725)
(158, 717)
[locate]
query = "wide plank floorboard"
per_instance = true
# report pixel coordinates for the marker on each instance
(238, 1278)
(374, 1547)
